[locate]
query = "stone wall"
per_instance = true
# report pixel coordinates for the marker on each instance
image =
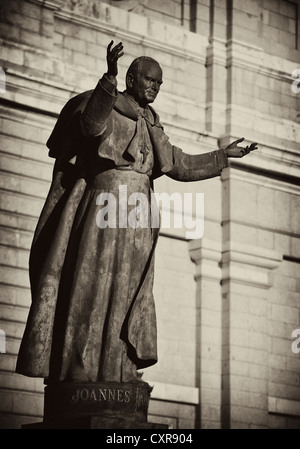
(227, 303)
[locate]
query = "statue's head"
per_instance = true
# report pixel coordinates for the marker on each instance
(143, 80)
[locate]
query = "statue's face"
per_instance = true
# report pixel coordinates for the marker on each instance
(146, 85)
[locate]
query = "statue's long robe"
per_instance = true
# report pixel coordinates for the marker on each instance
(92, 315)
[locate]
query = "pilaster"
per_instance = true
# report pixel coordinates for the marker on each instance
(207, 255)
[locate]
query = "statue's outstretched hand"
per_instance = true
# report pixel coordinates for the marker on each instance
(233, 150)
(112, 56)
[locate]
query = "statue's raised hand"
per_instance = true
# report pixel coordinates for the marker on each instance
(233, 150)
(112, 56)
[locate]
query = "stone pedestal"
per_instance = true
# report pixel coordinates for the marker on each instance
(96, 405)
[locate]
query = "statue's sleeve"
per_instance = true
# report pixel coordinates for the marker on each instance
(95, 115)
(188, 167)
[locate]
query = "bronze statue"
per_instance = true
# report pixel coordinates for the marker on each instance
(92, 316)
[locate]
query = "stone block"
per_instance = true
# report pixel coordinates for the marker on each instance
(285, 314)
(239, 319)
(210, 318)
(119, 17)
(250, 7)
(265, 239)
(210, 334)
(258, 401)
(280, 390)
(284, 377)
(163, 408)
(282, 243)
(17, 222)
(238, 367)
(15, 276)
(21, 185)
(156, 29)
(7, 363)
(248, 354)
(12, 347)
(22, 402)
(240, 398)
(35, 40)
(294, 213)
(286, 38)
(279, 21)
(84, 60)
(210, 412)
(277, 422)
(292, 363)
(244, 34)
(58, 39)
(12, 164)
(12, 18)
(272, 5)
(265, 207)
(213, 352)
(30, 10)
(72, 43)
(24, 131)
(209, 380)
(239, 337)
(295, 246)
(9, 32)
(277, 361)
(281, 346)
(257, 371)
(211, 396)
(137, 24)
(6, 402)
(292, 299)
(258, 340)
(186, 423)
(263, 106)
(288, 9)
(15, 55)
(258, 323)
(87, 34)
(292, 26)
(12, 329)
(281, 329)
(245, 20)
(258, 385)
(32, 25)
(187, 411)
(14, 257)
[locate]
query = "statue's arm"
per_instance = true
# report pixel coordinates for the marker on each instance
(94, 118)
(208, 165)
(197, 167)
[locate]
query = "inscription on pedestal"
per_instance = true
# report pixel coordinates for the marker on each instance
(99, 394)
(68, 400)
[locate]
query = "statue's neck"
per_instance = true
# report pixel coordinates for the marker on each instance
(133, 101)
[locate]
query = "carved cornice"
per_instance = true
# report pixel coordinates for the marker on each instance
(92, 8)
(233, 262)
(150, 33)
(50, 4)
(207, 255)
(248, 265)
(253, 58)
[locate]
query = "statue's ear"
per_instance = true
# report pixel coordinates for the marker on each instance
(129, 79)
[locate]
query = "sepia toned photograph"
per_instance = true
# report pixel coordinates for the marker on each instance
(150, 217)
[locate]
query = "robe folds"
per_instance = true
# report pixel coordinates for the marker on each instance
(92, 316)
